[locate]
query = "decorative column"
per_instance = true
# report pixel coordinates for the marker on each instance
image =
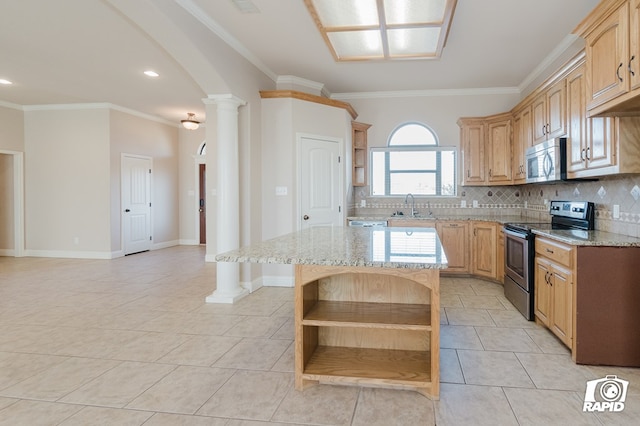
(228, 289)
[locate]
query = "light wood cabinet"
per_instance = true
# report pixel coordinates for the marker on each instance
(371, 326)
(486, 150)
(554, 280)
(498, 147)
(472, 149)
(612, 34)
(360, 157)
(483, 249)
(522, 139)
(549, 114)
(454, 236)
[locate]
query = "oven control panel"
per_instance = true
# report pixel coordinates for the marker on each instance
(571, 209)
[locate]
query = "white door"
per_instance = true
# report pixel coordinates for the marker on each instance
(136, 204)
(319, 185)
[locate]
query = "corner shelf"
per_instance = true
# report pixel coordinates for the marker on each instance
(360, 154)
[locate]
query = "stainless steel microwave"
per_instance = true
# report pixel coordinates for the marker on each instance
(544, 161)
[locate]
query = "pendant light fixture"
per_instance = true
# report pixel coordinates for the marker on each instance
(190, 122)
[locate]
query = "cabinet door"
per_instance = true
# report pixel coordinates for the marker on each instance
(542, 290)
(499, 151)
(634, 46)
(557, 110)
(607, 51)
(602, 140)
(539, 115)
(576, 117)
(484, 249)
(454, 237)
(522, 139)
(562, 304)
(473, 154)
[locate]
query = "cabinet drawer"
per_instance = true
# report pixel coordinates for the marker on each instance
(558, 252)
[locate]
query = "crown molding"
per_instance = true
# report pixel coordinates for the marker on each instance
(428, 93)
(293, 80)
(11, 105)
(99, 105)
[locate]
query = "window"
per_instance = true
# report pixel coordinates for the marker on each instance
(413, 162)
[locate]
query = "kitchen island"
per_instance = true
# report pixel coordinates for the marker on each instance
(367, 304)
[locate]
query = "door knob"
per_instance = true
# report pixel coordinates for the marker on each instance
(201, 210)
(127, 210)
(305, 217)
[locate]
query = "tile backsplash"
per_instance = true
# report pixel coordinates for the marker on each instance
(525, 200)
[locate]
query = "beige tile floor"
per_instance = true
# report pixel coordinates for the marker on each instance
(131, 341)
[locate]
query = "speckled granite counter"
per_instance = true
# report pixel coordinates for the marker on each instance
(502, 219)
(588, 238)
(413, 248)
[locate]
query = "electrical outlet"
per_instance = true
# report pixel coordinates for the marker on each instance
(463, 203)
(363, 203)
(475, 204)
(616, 211)
(281, 190)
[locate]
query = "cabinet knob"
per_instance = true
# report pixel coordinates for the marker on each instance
(549, 251)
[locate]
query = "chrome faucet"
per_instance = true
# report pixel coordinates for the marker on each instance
(413, 204)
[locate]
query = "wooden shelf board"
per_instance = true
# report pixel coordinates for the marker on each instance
(370, 315)
(374, 366)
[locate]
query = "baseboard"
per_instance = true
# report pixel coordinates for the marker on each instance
(189, 242)
(278, 281)
(106, 255)
(7, 252)
(253, 285)
(165, 244)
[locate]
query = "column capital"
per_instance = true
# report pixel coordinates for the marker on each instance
(226, 99)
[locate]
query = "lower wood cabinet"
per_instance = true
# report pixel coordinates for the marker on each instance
(484, 249)
(454, 237)
(554, 280)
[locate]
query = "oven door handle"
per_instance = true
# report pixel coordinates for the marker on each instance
(515, 234)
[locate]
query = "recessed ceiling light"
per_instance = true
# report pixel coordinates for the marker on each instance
(3, 81)
(150, 73)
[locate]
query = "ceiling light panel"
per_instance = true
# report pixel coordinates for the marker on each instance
(403, 28)
(347, 13)
(399, 12)
(357, 44)
(413, 41)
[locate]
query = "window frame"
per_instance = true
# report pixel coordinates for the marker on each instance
(414, 148)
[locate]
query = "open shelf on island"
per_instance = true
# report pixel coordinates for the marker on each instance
(370, 315)
(357, 365)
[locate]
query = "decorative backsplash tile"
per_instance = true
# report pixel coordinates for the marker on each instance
(529, 201)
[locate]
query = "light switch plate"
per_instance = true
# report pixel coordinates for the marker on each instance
(281, 190)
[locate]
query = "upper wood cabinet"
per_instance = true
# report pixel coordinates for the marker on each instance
(612, 33)
(472, 151)
(550, 113)
(360, 158)
(486, 150)
(522, 139)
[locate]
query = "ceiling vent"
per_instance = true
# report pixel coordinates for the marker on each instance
(246, 6)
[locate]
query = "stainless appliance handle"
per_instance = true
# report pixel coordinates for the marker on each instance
(547, 165)
(515, 234)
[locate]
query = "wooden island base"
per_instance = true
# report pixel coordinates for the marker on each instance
(369, 326)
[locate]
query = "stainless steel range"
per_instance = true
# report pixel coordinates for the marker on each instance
(520, 250)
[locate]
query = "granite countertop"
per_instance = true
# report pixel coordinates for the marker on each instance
(502, 219)
(588, 238)
(410, 248)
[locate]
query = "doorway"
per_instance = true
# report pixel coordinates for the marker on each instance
(136, 203)
(320, 182)
(202, 181)
(12, 203)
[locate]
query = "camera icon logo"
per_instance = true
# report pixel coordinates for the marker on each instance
(605, 394)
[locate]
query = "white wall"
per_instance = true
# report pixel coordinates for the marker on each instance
(7, 242)
(67, 205)
(130, 134)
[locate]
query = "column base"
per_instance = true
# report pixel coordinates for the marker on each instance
(229, 298)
